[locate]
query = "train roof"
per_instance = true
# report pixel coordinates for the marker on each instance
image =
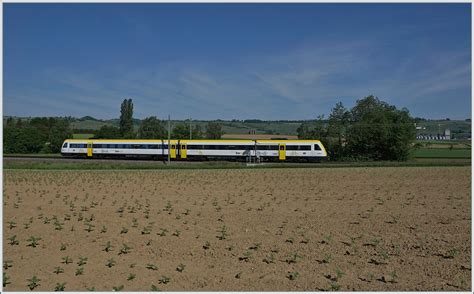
(190, 141)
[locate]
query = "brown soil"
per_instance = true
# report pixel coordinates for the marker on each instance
(317, 229)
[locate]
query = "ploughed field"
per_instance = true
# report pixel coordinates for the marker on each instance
(278, 229)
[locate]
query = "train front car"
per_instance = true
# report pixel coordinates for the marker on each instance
(291, 150)
(74, 148)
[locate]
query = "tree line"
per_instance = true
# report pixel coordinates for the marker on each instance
(154, 128)
(371, 130)
(46, 134)
(38, 135)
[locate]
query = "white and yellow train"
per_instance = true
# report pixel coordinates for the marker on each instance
(265, 150)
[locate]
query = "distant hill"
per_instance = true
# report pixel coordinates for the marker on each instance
(458, 128)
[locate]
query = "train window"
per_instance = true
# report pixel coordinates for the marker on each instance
(267, 147)
(298, 147)
(97, 146)
(316, 147)
(65, 145)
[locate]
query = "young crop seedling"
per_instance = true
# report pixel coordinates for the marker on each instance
(326, 239)
(334, 286)
(108, 247)
(104, 229)
(292, 258)
(125, 249)
(124, 230)
(246, 256)
(146, 230)
(384, 254)
(110, 263)
(7, 264)
(206, 245)
(375, 242)
(33, 241)
(13, 240)
(33, 282)
(168, 207)
(269, 258)
(82, 261)
(67, 260)
(58, 226)
(79, 271)
(58, 270)
(60, 287)
(339, 273)
(63, 247)
(305, 240)
(255, 246)
(89, 228)
(117, 289)
(180, 267)
(292, 275)
(177, 233)
(154, 288)
(164, 280)
(151, 266)
(452, 253)
(393, 277)
(131, 277)
(327, 258)
(6, 280)
(11, 224)
(162, 232)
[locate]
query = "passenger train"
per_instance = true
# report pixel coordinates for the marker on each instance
(233, 150)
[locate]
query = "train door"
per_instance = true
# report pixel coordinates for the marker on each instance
(183, 151)
(173, 150)
(282, 151)
(89, 149)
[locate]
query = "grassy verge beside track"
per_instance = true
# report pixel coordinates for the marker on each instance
(442, 153)
(116, 165)
(34, 155)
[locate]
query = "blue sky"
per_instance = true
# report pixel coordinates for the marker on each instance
(210, 61)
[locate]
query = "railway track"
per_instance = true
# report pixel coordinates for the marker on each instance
(68, 159)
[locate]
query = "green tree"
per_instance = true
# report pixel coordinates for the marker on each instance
(126, 119)
(26, 139)
(10, 123)
(108, 132)
(304, 131)
(315, 130)
(336, 133)
(181, 131)
(214, 130)
(152, 128)
(379, 131)
(59, 132)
